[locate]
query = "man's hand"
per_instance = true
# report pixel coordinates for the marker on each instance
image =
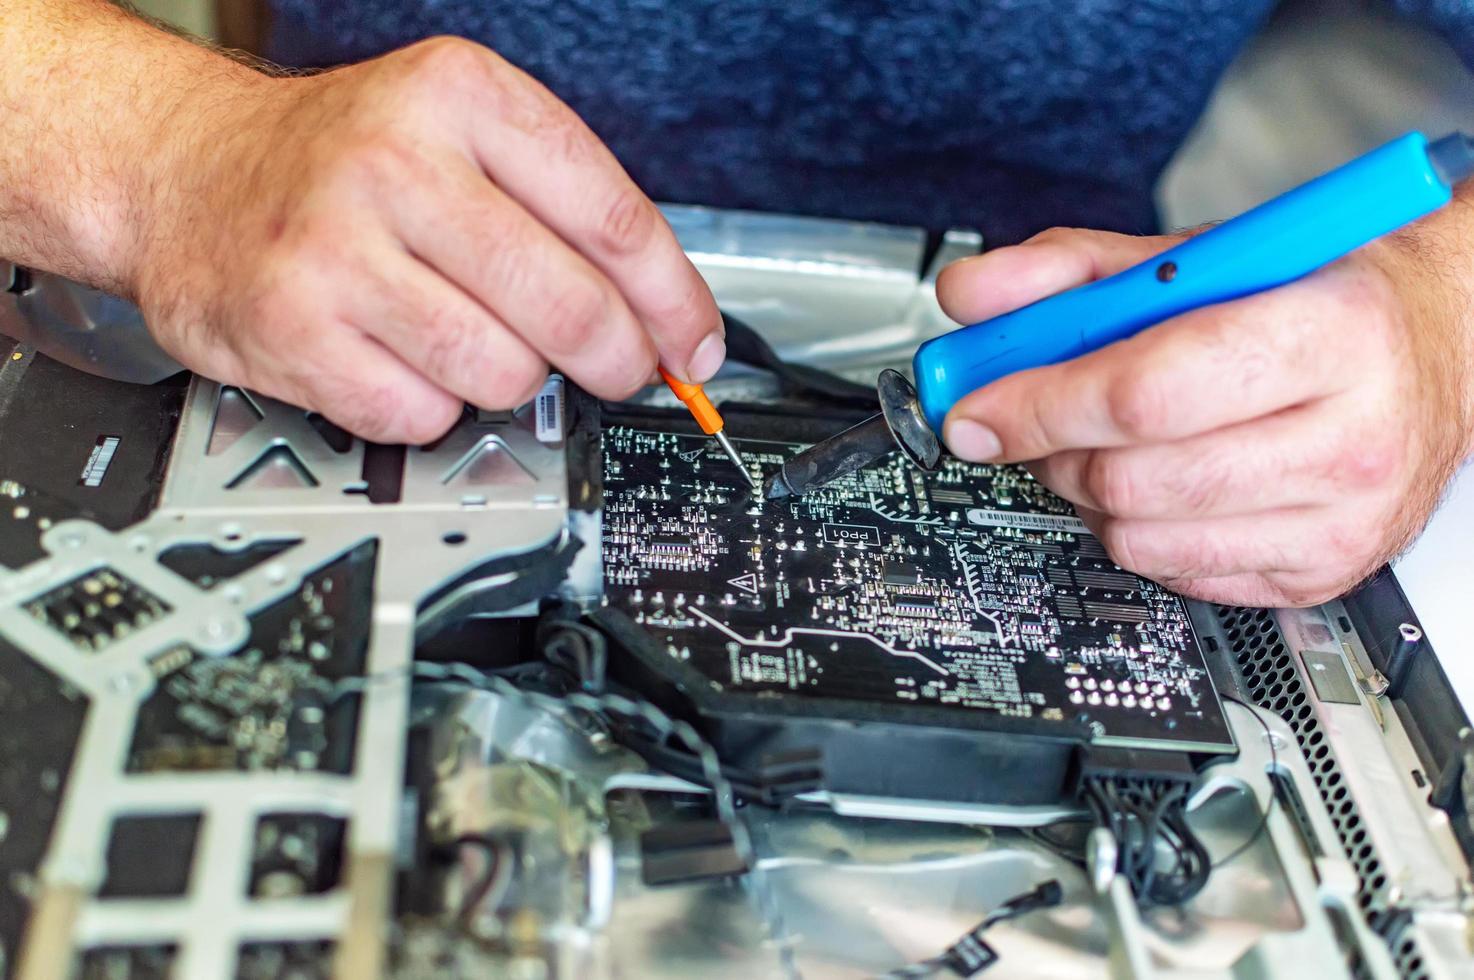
(1270, 451)
(379, 243)
(384, 242)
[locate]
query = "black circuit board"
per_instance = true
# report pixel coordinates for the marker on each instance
(276, 704)
(153, 962)
(41, 719)
(297, 854)
(970, 588)
(25, 515)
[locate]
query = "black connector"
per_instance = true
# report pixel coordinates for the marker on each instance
(1140, 797)
(1115, 763)
(699, 850)
(1046, 895)
(971, 954)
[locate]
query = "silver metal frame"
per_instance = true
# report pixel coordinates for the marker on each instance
(1427, 875)
(197, 507)
(834, 880)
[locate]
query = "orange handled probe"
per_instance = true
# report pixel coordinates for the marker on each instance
(710, 421)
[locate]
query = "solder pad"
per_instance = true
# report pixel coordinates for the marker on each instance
(972, 588)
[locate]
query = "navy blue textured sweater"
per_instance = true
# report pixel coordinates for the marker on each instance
(1007, 115)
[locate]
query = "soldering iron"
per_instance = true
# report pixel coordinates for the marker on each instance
(1276, 243)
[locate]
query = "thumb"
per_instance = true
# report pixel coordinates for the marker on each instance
(983, 286)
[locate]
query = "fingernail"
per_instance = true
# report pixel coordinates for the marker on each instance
(973, 440)
(707, 360)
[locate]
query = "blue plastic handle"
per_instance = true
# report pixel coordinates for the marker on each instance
(1278, 242)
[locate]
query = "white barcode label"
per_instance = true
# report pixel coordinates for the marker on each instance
(98, 462)
(1026, 522)
(548, 410)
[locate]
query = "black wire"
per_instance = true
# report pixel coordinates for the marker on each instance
(578, 649)
(1042, 896)
(1146, 816)
(1075, 853)
(1273, 797)
(477, 893)
(1151, 832)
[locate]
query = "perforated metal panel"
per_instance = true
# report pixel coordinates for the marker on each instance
(1275, 681)
(1409, 959)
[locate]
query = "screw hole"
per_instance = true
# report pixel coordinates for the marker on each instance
(453, 538)
(1167, 271)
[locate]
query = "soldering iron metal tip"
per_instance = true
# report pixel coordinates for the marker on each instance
(776, 487)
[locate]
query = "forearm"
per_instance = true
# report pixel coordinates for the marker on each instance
(94, 104)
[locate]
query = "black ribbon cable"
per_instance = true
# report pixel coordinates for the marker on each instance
(745, 345)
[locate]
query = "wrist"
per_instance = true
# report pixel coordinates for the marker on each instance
(182, 159)
(98, 106)
(1430, 265)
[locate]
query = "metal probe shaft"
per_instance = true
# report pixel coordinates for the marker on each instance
(720, 436)
(710, 420)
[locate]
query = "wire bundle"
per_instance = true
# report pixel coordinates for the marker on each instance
(1159, 855)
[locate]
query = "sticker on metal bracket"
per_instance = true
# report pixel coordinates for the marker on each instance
(548, 410)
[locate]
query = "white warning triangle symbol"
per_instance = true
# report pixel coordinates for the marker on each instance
(747, 583)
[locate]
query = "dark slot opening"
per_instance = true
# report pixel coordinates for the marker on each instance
(383, 473)
(338, 440)
(20, 280)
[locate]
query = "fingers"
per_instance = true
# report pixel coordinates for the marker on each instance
(359, 385)
(525, 276)
(1296, 458)
(983, 286)
(1282, 557)
(541, 154)
(1171, 550)
(1200, 371)
(1248, 589)
(443, 333)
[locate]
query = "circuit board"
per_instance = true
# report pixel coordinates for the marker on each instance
(971, 588)
(273, 705)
